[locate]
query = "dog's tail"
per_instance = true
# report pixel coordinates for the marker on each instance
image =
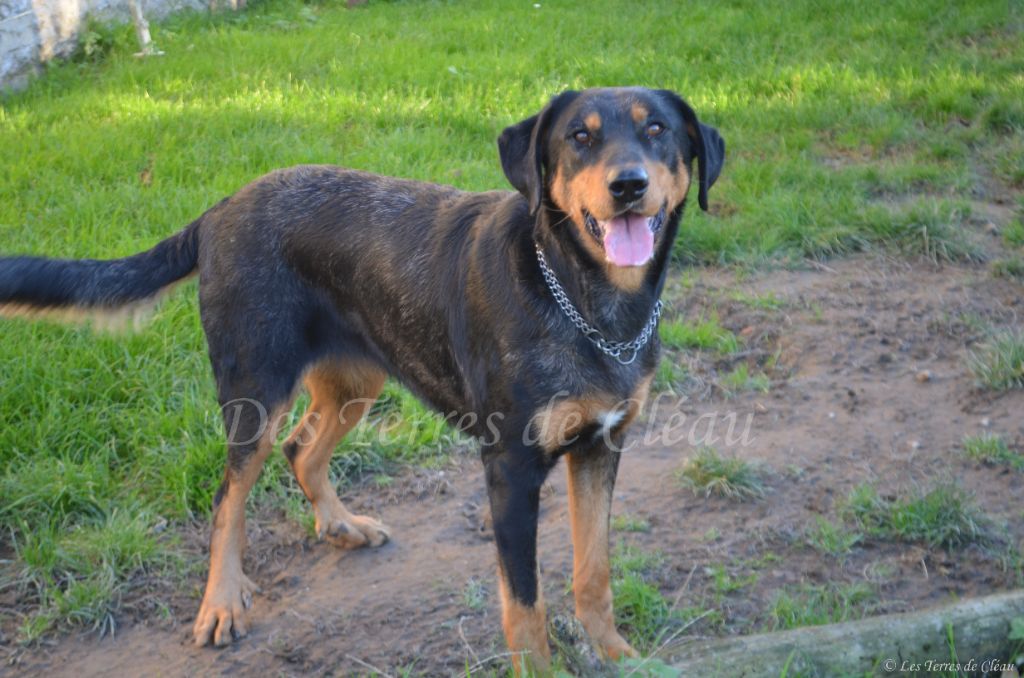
(109, 292)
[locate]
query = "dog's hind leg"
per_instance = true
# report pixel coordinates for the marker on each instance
(341, 394)
(252, 428)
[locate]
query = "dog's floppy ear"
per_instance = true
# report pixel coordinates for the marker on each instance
(707, 142)
(521, 148)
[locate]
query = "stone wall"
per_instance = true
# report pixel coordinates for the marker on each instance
(35, 31)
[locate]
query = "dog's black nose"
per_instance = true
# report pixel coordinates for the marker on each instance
(628, 185)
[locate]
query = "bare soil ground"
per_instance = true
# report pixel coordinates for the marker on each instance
(848, 404)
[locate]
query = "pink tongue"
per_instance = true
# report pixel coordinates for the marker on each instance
(628, 240)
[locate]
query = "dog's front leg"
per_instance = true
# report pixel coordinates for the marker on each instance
(514, 479)
(591, 474)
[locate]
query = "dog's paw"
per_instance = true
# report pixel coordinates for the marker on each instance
(605, 637)
(613, 646)
(222, 615)
(354, 531)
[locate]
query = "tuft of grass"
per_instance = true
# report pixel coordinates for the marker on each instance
(724, 583)
(640, 608)
(1005, 117)
(1017, 635)
(670, 375)
(705, 334)
(935, 230)
(710, 473)
(831, 538)
(1013, 234)
(1011, 267)
(625, 522)
(808, 605)
(944, 516)
(991, 449)
(998, 364)
(1008, 160)
(474, 594)
(78, 575)
(768, 301)
(740, 379)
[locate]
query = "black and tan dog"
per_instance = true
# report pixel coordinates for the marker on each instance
(531, 312)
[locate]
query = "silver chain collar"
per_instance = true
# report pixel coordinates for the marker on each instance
(615, 349)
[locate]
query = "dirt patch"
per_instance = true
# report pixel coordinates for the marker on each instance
(868, 384)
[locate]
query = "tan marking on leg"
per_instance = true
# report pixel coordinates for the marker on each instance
(525, 630)
(589, 511)
(593, 122)
(639, 113)
(229, 592)
(341, 395)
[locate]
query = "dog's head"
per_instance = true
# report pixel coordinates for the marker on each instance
(617, 162)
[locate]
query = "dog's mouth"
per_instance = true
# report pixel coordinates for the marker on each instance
(628, 238)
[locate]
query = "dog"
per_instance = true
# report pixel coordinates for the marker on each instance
(533, 311)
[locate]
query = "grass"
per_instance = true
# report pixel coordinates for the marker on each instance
(832, 539)
(642, 613)
(991, 449)
(710, 473)
(723, 583)
(814, 605)
(944, 516)
(705, 334)
(1013, 234)
(836, 128)
(626, 522)
(1011, 267)
(670, 375)
(740, 379)
(998, 364)
(765, 302)
(475, 595)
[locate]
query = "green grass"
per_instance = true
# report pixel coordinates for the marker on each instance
(626, 522)
(642, 613)
(1013, 234)
(670, 376)
(475, 595)
(992, 449)
(765, 302)
(839, 123)
(710, 473)
(944, 516)
(814, 605)
(723, 583)
(998, 364)
(705, 334)
(1011, 267)
(740, 379)
(832, 539)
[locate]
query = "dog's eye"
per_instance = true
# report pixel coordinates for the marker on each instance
(654, 129)
(582, 136)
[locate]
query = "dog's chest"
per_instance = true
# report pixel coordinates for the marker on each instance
(565, 420)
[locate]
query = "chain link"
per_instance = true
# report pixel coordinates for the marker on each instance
(615, 349)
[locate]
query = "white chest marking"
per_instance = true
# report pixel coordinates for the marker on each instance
(608, 420)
